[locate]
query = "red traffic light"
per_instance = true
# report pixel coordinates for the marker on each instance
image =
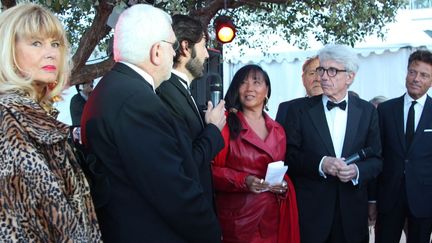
(225, 29)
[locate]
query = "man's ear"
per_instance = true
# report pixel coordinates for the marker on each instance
(350, 79)
(155, 54)
(184, 48)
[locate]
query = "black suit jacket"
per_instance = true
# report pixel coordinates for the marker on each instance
(76, 109)
(413, 164)
(308, 141)
(154, 193)
(207, 140)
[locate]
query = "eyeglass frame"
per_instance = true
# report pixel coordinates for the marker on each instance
(175, 45)
(326, 70)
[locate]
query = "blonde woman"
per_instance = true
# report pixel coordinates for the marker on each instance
(44, 196)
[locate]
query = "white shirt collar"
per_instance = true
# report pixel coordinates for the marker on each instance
(408, 100)
(181, 75)
(325, 98)
(142, 73)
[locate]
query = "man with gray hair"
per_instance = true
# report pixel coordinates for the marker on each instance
(321, 132)
(151, 190)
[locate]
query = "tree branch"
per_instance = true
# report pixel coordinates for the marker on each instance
(92, 71)
(92, 36)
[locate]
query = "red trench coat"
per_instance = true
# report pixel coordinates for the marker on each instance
(245, 216)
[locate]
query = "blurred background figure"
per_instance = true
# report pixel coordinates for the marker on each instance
(310, 78)
(311, 84)
(78, 101)
(44, 196)
(377, 100)
(249, 209)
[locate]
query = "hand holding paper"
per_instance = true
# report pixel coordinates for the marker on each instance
(275, 172)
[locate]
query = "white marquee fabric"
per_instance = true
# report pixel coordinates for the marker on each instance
(383, 63)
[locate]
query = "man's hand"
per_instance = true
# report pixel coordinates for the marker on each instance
(372, 213)
(216, 115)
(347, 172)
(331, 165)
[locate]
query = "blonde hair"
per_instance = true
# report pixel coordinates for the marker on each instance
(26, 21)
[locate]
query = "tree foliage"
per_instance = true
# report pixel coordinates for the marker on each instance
(343, 21)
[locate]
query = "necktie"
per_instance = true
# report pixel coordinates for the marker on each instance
(187, 86)
(330, 105)
(409, 131)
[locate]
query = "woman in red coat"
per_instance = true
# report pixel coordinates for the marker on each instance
(249, 209)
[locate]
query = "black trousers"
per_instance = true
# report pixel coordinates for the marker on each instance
(388, 228)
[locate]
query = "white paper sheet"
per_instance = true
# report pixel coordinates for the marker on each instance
(275, 172)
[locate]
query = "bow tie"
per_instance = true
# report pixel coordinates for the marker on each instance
(330, 105)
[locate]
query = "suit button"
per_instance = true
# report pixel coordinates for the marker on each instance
(407, 160)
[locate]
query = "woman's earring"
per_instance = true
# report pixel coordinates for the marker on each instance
(265, 103)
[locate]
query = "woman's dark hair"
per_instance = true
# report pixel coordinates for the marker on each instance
(232, 100)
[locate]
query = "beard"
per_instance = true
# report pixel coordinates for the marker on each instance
(195, 67)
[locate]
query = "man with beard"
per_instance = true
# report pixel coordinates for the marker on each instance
(188, 65)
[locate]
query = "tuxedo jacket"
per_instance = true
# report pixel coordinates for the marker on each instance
(318, 198)
(154, 194)
(76, 108)
(401, 163)
(207, 139)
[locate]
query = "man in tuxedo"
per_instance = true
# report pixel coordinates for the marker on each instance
(189, 65)
(311, 83)
(405, 184)
(78, 101)
(321, 132)
(152, 191)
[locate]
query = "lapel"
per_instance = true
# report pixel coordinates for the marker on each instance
(268, 144)
(398, 115)
(353, 122)
(176, 81)
(318, 118)
(424, 122)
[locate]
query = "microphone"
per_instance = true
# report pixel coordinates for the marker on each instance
(216, 88)
(361, 155)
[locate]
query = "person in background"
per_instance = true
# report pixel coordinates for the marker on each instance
(249, 209)
(78, 101)
(375, 101)
(175, 93)
(310, 82)
(44, 195)
(321, 132)
(153, 191)
(405, 185)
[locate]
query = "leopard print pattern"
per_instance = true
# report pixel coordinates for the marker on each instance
(44, 196)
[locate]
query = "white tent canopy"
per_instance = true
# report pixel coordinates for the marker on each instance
(382, 70)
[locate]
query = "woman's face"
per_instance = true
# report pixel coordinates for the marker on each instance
(38, 58)
(253, 91)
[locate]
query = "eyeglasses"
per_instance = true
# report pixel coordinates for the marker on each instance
(175, 45)
(331, 71)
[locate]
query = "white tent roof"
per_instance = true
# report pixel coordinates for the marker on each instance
(403, 33)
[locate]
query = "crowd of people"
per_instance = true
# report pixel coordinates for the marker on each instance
(163, 170)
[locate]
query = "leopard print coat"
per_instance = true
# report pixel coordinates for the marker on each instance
(44, 196)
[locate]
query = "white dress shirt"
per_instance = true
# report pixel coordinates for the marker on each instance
(142, 73)
(418, 109)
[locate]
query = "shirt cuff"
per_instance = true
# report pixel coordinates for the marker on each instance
(355, 181)
(321, 172)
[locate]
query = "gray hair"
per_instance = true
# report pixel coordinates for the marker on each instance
(342, 54)
(377, 100)
(137, 30)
